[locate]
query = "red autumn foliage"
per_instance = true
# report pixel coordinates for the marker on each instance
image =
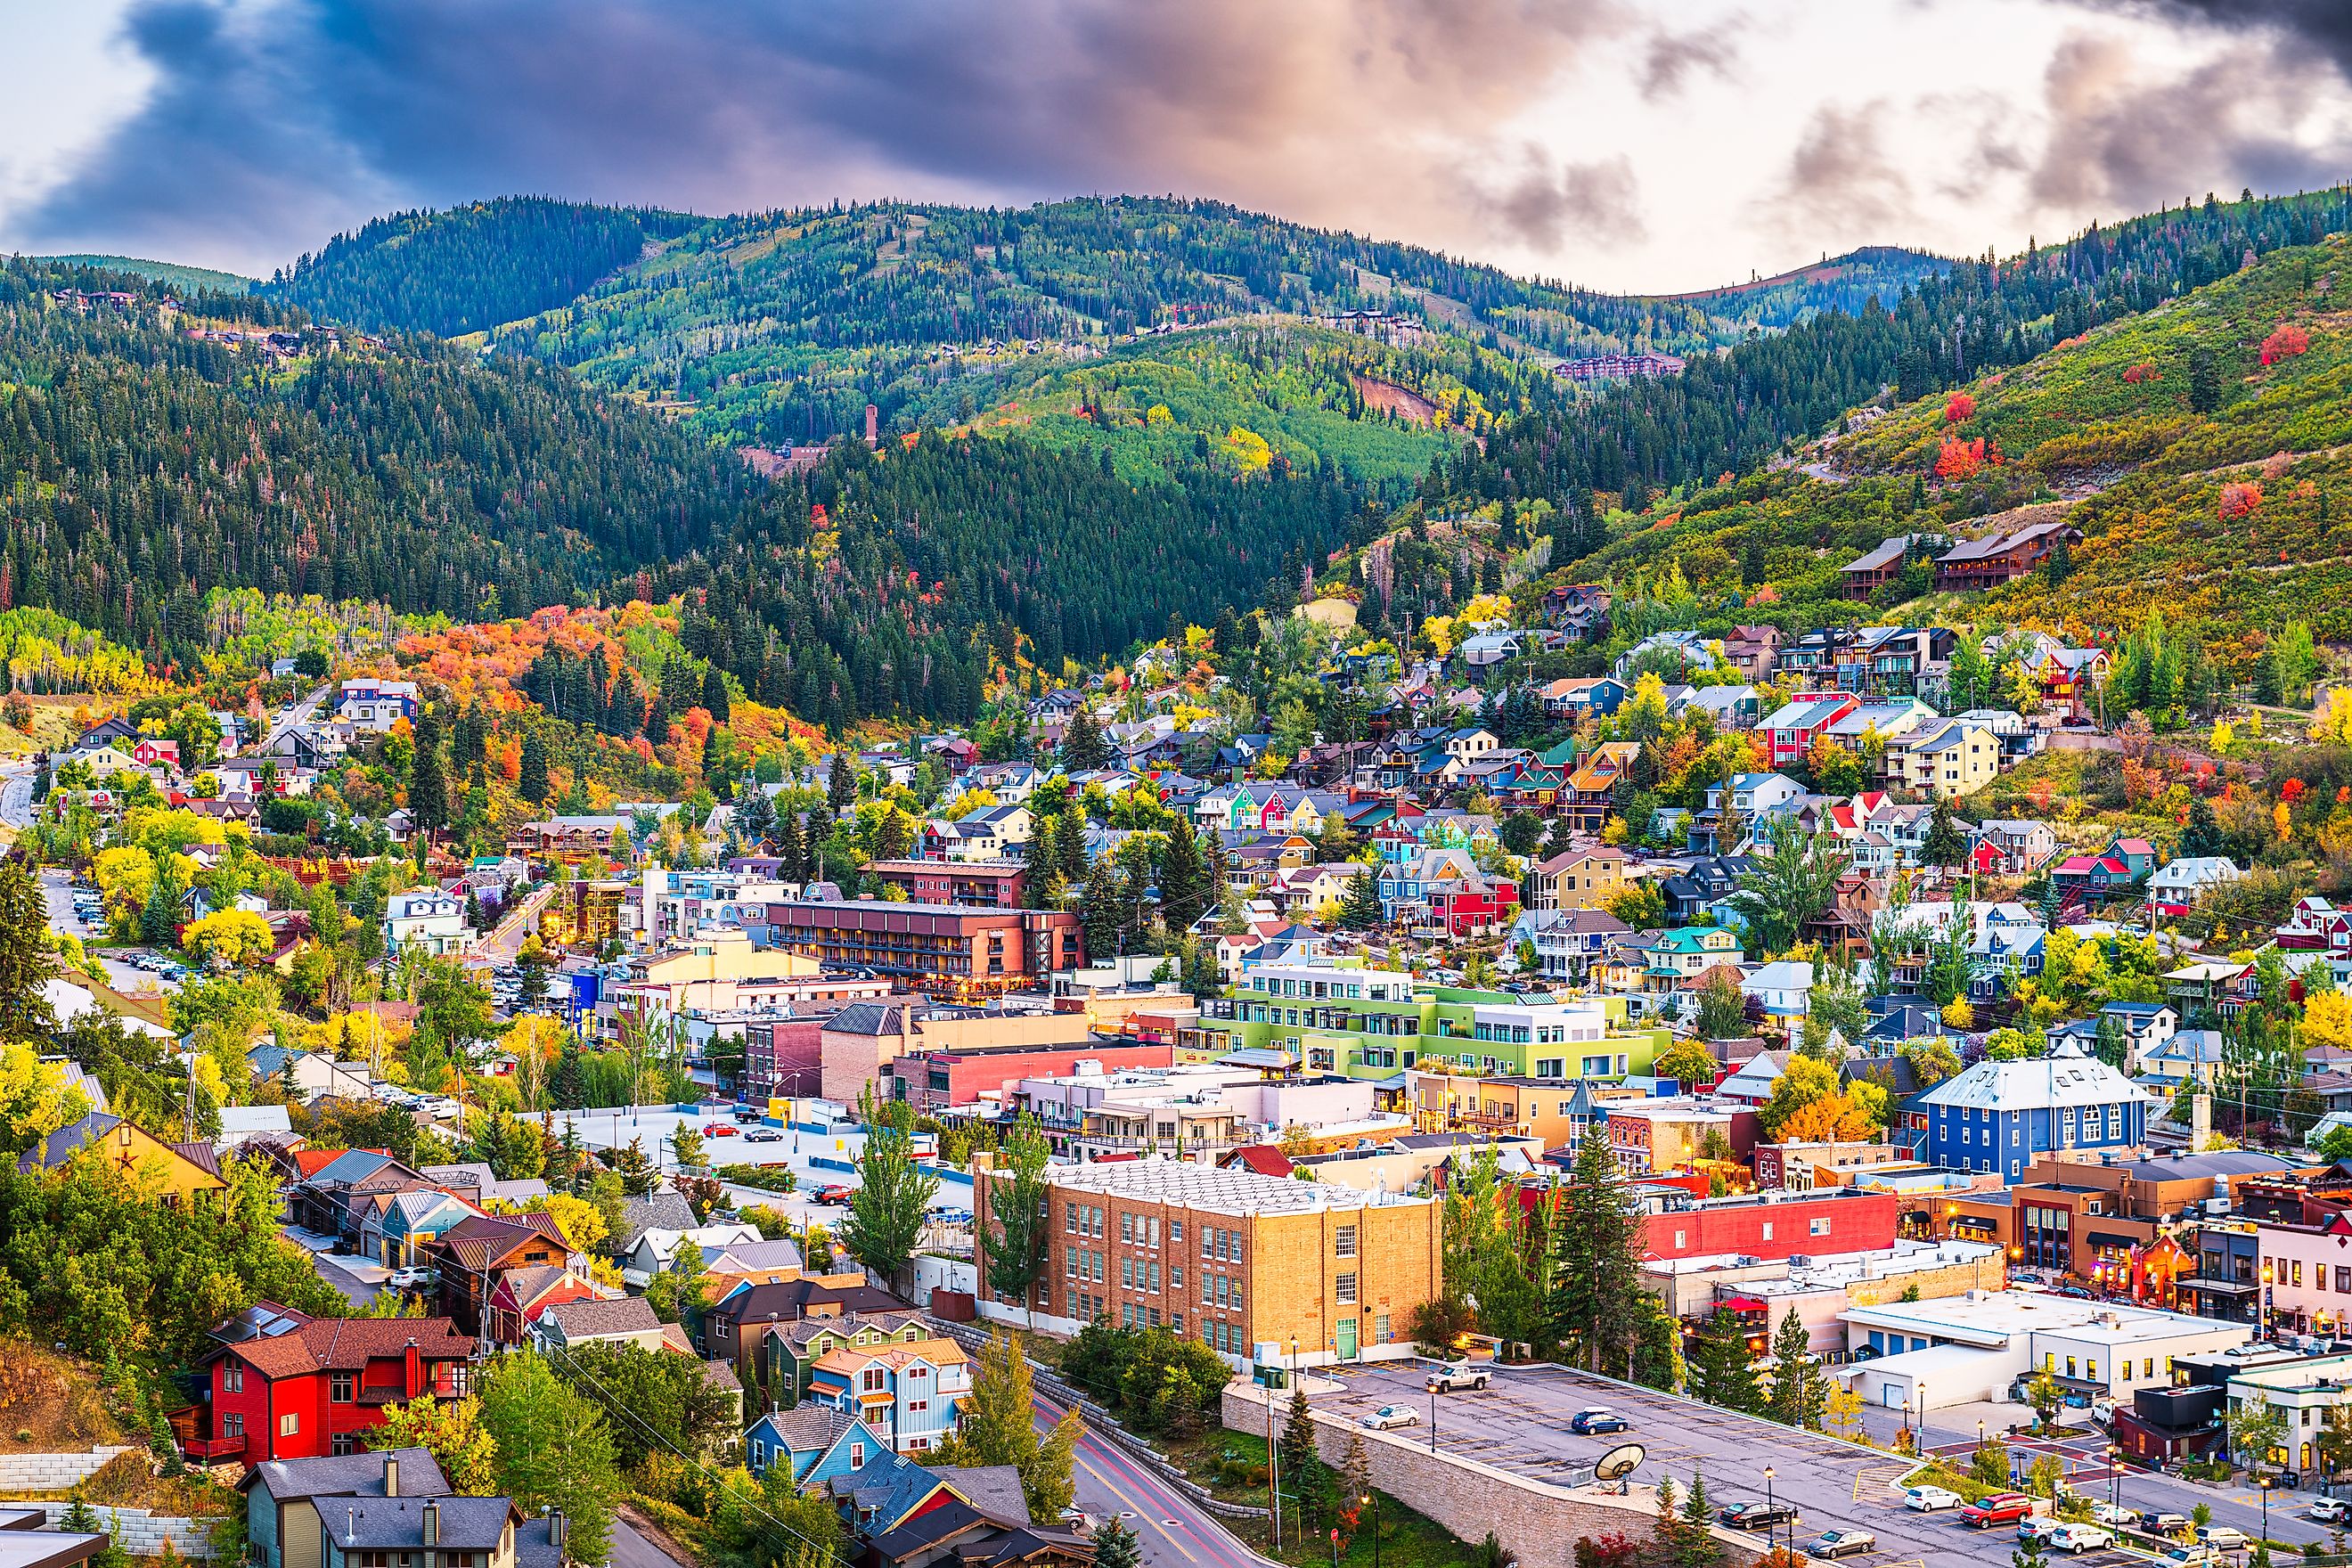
(2237, 499)
(2284, 342)
(2142, 372)
(1965, 459)
(2290, 790)
(1958, 407)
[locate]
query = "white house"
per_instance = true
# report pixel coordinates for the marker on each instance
(376, 705)
(432, 918)
(1784, 988)
(2174, 886)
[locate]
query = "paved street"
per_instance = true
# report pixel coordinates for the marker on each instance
(356, 1277)
(16, 795)
(293, 719)
(1172, 1529)
(56, 893)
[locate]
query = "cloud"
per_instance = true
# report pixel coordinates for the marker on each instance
(2123, 140)
(1840, 187)
(1671, 58)
(274, 123)
(2325, 24)
(1600, 201)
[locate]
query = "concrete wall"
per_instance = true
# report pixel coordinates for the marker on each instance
(52, 1472)
(143, 1533)
(1538, 1524)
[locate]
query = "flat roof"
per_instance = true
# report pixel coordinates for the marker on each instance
(1225, 1189)
(1992, 1319)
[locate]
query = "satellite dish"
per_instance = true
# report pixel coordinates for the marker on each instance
(1618, 1462)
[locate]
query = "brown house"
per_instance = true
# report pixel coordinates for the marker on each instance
(475, 1254)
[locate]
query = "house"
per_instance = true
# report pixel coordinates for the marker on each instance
(1730, 707)
(2174, 888)
(1790, 729)
(628, 1321)
(656, 1246)
(524, 1295)
(789, 1351)
(1582, 609)
(395, 1228)
(331, 1197)
(816, 1444)
(434, 921)
(573, 839)
(179, 1173)
(2122, 864)
(1579, 699)
(423, 1533)
(738, 1324)
(317, 1386)
(2010, 847)
(473, 1254)
(1997, 1116)
(286, 1499)
(1951, 758)
(2224, 985)
(2000, 557)
(1678, 956)
(1595, 783)
(375, 706)
(1569, 942)
(1576, 880)
(1784, 990)
(1753, 651)
(910, 1393)
(1882, 565)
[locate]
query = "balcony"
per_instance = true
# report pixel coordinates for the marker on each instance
(212, 1450)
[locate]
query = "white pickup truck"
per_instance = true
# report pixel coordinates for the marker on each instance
(1452, 1375)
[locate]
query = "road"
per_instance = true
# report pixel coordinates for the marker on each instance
(499, 947)
(631, 1549)
(16, 795)
(56, 894)
(293, 719)
(356, 1278)
(1172, 1530)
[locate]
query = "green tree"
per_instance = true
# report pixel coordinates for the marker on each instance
(1796, 1376)
(1596, 1292)
(1020, 1213)
(1686, 1062)
(428, 775)
(885, 1213)
(452, 1432)
(1723, 1366)
(1794, 880)
(531, 782)
(1116, 1546)
(840, 784)
(1183, 894)
(26, 962)
(2204, 384)
(1302, 1467)
(998, 1425)
(1946, 845)
(676, 1293)
(1722, 1008)
(554, 1449)
(1990, 1466)
(1360, 909)
(2256, 1428)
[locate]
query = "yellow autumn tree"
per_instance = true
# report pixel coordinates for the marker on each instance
(2328, 1019)
(237, 937)
(2333, 721)
(1832, 1119)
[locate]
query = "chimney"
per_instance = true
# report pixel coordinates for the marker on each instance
(432, 1522)
(555, 1527)
(391, 1475)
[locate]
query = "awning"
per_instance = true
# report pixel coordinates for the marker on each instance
(1741, 1304)
(1974, 1222)
(2218, 1287)
(2109, 1238)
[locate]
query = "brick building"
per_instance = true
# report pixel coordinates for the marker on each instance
(1232, 1257)
(979, 884)
(945, 949)
(1772, 1225)
(936, 1079)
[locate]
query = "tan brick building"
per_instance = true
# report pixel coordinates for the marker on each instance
(1231, 1257)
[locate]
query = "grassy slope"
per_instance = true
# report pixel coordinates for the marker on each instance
(2070, 424)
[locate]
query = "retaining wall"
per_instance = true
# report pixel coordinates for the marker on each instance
(52, 1472)
(143, 1533)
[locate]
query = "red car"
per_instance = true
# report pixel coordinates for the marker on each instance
(1998, 1507)
(719, 1130)
(830, 1193)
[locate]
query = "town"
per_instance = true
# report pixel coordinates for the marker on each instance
(1567, 1063)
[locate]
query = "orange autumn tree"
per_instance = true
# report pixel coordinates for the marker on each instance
(2239, 500)
(2284, 342)
(1959, 407)
(1831, 1118)
(1961, 459)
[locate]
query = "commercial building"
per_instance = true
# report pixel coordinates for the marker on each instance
(2098, 1217)
(1770, 1225)
(951, 949)
(724, 972)
(1928, 1355)
(1998, 1116)
(1819, 1288)
(1660, 1134)
(1314, 1272)
(977, 884)
(857, 1044)
(944, 1077)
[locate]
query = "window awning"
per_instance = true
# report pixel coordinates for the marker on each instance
(2217, 1287)
(2109, 1238)
(1974, 1222)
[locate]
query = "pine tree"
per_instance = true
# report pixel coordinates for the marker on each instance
(1360, 910)
(714, 695)
(840, 784)
(428, 777)
(1722, 1367)
(1796, 1376)
(1945, 844)
(1101, 911)
(568, 1088)
(1302, 1468)
(792, 851)
(1596, 1264)
(1039, 875)
(1084, 747)
(1070, 845)
(1116, 1546)
(2202, 836)
(27, 963)
(531, 782)
(1695, 1547)
(1181, 896)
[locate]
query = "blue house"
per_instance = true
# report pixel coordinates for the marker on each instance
(816, 1441)
(1997, 1116)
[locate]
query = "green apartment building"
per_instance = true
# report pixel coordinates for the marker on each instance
(1337, 1018)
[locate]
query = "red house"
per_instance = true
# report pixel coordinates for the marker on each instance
(1473, 906)
(315, 1387)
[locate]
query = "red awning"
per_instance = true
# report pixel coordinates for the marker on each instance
(1742, 1304)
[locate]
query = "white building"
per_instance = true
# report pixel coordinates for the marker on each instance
(428, 917)
(1963, 1349)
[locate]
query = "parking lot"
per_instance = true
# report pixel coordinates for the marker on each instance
(1520, 1423)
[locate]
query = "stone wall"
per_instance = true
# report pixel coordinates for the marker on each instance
(143, 1533)
(1538, 1524)
(52, 1472)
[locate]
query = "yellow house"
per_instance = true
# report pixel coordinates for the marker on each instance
(1939, 760)
(1578, 879)
(180, 1171)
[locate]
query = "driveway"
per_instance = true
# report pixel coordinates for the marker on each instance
(356, 1277)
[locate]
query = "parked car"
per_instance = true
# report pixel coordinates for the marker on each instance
(1760, 1515)
(2197, 1556)
(1932, 1499)
(2080, 1538)
(2154, 1522)
(2223, 1536)
(721, 1130)
(1840, 1543)
(2108, 1513)
(415, 1277)
(2037, 1527)
(2103, 1411)
(1597, 1421)
(1997, 1508)
(763, 1135)
(1451, 1376)
(2331, 1511)
(830, 1193)
(747, 1113)
(1389, 1416)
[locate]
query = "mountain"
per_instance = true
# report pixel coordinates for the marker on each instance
(188, 280)
(1846, 283)
(468, 269)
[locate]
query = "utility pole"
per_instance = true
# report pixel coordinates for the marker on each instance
(1273, 1470)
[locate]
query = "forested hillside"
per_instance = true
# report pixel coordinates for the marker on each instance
(1844, 283)
(471, 267)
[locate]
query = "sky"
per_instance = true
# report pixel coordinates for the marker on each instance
(1639, 146)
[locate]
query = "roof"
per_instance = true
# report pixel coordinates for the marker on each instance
(348, 1344)
(2056, 1080)
(348, 1475)
(466, 1523)
(894, 1353)
(806, 1428)
(1232, 1189)
(588, 1320)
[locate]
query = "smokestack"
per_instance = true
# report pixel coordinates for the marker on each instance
(432, 1522)
(391, 1475)
(555, 1527)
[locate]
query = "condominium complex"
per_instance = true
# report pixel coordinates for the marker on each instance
(1233, 1257)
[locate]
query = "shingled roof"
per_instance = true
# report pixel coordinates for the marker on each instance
(348, 1344)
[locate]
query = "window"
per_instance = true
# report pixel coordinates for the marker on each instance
(1175, 1277)
(1682, 1238)
(344, 1443)
(288, 1425)
(2147, 1366)
(1127, 1273)
(1237, 1298)
(1768, 1230)
(1151, 1231)
(232, 1426)
(1175, 1233)
(1126, 1227)
(1381, 1329)
(2297, 1268)
(232, 1377)
(1821, 1226)
(1151, 1279)
(1208, 1241)
(340, 1387)
(916, 1406)
(1344, 1287)
(1344, 1242)
(870, 1380)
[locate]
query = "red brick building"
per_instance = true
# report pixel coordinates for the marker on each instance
(316, 1388)
(1773, 1225)
(982, 884)
(934, 1079)
(786, 1055)
(943, 950)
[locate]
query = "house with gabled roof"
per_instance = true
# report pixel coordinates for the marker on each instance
(181, 1173)
(319, 1384)
(473, 1254)
(910, 1392)
(523, 1295)
(816, 1444)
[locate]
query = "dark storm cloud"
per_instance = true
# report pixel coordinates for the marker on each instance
(272, 123)
(2323, 25)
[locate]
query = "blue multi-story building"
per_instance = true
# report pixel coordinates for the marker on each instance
(1997, 1116)
(910, 1393)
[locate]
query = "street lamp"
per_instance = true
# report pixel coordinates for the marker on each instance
(2114, 1478)
(2263, 1485)
(1372, 1502)
(1771, 1524)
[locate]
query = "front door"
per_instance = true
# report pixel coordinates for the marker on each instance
(1347, 1339)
